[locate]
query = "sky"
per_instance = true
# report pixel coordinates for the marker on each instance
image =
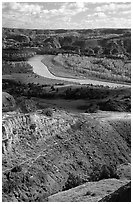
(66, 15)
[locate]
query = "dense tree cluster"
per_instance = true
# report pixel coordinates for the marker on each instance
(16, 54)
(9, 67)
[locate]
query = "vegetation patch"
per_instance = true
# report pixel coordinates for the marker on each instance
(94, 68)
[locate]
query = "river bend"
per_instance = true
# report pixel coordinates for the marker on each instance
(40, 69)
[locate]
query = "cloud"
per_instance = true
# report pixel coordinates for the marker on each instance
(111, 22)
(113, 7)
(100, 15)
(121, 13)
(110, 6)
(81, 5)
(67, 8)
(97, 15)
(65, 14)
(126, 12)
(22, 7)
(71, 8)
(30, 8)
(10, 6)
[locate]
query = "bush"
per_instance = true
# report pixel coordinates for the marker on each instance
(72, 182)
(93, 108)
(108, 172)
(103, 172)
(48, 112)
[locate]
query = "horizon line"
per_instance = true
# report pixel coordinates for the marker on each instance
(67, 28)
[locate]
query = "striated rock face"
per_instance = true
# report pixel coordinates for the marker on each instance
(33, 123)
(14, 123)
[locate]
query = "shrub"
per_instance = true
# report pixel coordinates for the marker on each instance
(103, 172)
(108, 172)
(48, 112)
(93, 108)
(72, 181)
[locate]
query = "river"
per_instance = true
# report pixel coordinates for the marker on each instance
(40, 69)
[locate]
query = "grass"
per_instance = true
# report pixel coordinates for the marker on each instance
(26, 78)
(23, 72)
(57, 69)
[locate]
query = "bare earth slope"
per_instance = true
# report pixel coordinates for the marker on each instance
(44, 155)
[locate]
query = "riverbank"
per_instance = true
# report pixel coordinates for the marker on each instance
(41, 69)
(60, 68)
(26, 78)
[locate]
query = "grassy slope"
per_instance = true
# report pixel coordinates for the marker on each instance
(69, 68)
(33, 78)
(103, 68)
(78, 153)
(58, 69)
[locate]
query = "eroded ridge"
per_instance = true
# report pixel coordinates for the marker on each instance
(32, 123)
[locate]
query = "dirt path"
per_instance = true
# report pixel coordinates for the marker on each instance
(40, 69)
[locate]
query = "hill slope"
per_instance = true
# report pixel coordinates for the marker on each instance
(91, 192)
(43, 155)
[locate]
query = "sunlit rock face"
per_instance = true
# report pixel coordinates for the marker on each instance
(8, 102)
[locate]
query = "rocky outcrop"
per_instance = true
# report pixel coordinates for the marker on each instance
(39, 124)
